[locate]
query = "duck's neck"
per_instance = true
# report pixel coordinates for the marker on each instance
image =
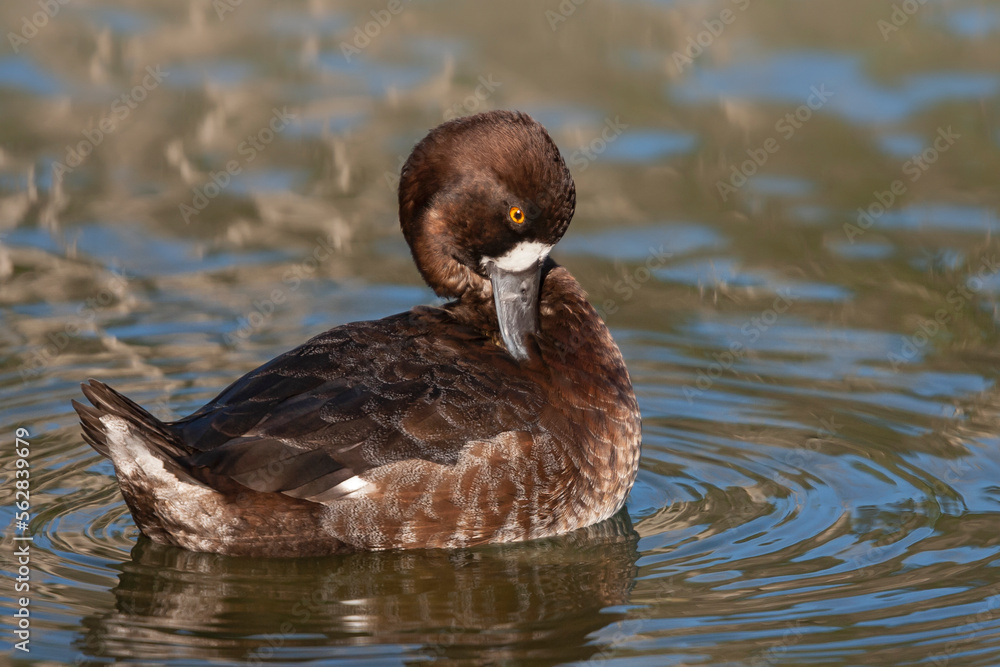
(433, 253)
(573, 335)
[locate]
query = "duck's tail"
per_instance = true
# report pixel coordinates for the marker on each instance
(107, 402)
(149, 461)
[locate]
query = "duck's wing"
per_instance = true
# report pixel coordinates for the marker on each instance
(355, 398)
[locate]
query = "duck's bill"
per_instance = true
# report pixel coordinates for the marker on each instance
(515, 294)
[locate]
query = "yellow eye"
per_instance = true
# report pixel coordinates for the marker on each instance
(516, 215)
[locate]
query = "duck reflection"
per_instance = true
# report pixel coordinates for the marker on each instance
(540, 600)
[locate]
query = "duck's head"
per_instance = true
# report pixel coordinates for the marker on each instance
(482, 200)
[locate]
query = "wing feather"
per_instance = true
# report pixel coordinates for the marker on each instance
(361, 396)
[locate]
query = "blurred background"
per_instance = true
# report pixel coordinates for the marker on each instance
(787, 213)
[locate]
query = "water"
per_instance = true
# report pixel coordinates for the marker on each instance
(820, 478)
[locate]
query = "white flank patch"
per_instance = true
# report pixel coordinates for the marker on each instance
(129, 456)
(350, 485)
(522, 256)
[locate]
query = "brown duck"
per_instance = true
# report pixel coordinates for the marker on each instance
(506, 414)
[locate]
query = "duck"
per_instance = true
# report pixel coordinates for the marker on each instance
(505, 414)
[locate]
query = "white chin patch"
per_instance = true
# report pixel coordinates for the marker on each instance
(521, 256)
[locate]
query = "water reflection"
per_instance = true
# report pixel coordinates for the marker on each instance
(819, 477)
(542, 600)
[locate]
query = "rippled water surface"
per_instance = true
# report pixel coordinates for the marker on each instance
(787, 214)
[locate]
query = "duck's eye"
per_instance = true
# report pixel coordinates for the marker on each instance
(516, 215)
